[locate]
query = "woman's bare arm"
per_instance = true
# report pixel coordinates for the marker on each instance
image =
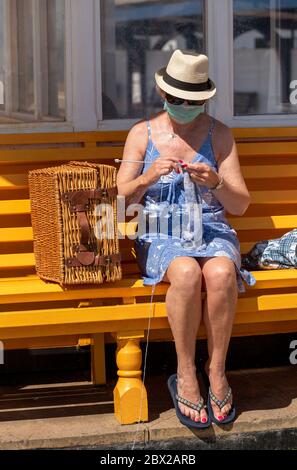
(234, 196)
(130, 182)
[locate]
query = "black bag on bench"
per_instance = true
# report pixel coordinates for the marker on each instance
(279, 253)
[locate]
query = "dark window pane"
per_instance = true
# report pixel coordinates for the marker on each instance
(25, 56)
(56, 56)
(139, 37)
(32, 60)
(265, 56)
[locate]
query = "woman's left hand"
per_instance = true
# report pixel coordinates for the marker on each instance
(202, 174)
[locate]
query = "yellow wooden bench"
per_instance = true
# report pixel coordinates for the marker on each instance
(38, 314)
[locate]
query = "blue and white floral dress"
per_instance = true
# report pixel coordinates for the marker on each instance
(154, 250)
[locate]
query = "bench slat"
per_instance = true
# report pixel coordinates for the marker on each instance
(267, 149)
(22, 206)
(39, 343)
(62, 137)
(15, 207)
(247, 223)
(127, 257)
(59, 154)
(17, 260)
(47, 155)
(20, 181)
(244, 223)
(264, 132)
(117, 136)
(120, 136)
(269, 171)
(33, 289)
(47, 322)
(16, 234)
(25, 234)
(257, 223)
(268, 197)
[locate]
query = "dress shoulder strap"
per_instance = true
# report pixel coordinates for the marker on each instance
(212, 126)
(149, 128)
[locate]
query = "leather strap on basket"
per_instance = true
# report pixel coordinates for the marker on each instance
(89, 258)
(79, 203)
(81, 197)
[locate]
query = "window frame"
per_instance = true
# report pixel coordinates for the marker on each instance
(82, 90)
(40, 66)
(218, 27)
(83, 97)
(221, 58)
(124, 124)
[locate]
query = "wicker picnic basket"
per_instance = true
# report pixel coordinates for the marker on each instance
(73, 242)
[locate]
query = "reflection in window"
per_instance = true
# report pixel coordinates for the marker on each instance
(24, 65)
(55, 19)
(139, 37)
(265, 56)
(32, 60)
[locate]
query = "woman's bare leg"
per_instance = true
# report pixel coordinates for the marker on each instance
(183, 303)
(219, 277)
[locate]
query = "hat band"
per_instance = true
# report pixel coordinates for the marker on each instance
(186, 86)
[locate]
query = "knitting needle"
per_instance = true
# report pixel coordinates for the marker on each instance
(118, 160)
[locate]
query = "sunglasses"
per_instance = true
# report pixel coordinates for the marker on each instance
(174, 100)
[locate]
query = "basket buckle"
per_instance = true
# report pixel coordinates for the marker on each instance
(104, 193)
(84, 247)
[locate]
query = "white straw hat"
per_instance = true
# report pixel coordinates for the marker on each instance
(186, 76)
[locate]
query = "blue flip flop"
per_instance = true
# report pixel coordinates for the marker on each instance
(221, 403)
(172, 386)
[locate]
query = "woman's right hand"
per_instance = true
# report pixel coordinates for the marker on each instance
(161, 166)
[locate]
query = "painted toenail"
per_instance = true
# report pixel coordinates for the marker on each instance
(220, 418)
(204, 420)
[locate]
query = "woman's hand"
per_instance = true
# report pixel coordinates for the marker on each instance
(161, 166)
(202, 174)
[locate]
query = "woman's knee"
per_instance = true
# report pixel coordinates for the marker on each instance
(185, 273)
(220, 275)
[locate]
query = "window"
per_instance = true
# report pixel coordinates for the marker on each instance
(32, 60)
(138, 37)
(1, 56)
(265, 56)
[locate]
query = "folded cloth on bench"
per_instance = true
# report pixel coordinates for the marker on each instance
(279, 253)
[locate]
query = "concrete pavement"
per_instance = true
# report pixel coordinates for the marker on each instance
(78, 414)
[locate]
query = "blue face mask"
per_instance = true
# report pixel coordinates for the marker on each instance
(181, 113)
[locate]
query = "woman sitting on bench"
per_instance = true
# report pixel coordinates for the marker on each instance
(182, 153)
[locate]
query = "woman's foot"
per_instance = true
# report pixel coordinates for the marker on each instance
(219, 386)
(188, 388)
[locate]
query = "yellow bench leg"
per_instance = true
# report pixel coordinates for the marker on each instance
(98, 359)
(130, 397)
